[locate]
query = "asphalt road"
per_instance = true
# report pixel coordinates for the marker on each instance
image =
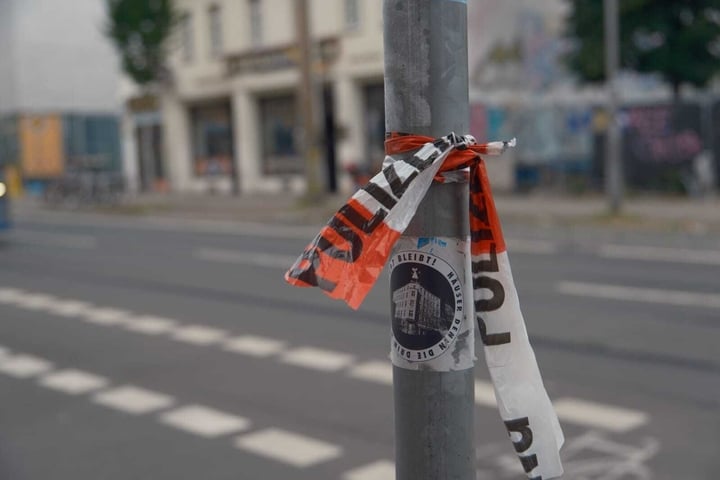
(161, 349)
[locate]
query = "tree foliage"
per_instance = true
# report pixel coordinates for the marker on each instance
(678, 39)
(140, 30)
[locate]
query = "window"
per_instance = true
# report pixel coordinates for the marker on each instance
(352, 14)
(255, 22)
(212, 139)
(278, 121)
(216, 33)
(186, 37)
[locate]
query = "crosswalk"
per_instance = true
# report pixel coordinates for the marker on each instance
(277, 443)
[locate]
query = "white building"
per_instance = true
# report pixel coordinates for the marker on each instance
(229, 119)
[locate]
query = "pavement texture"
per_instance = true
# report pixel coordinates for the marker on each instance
(654, 213)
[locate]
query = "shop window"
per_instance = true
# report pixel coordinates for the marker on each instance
(212, 139)
(216, 33)
(278, 119)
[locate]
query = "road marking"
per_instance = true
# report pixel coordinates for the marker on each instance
(106, 316)
(69, 308)
(485, 394)
(373, 371)
(635, 294)
(24, 366)
(135, 400)
(254, 345)
(258, 259)
(4, 352)
(204, 421)
(380, 470)
(317, 359)
(598, 415)
(74, 382)
(198, 334)
(536, 247)
(150, 325)
(45, 239)
(35, 301)
(287, 447)
(661, 254)
(11, 295)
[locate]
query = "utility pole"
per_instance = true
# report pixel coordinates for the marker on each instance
(426, 93)
(307, 105)
(613, 162)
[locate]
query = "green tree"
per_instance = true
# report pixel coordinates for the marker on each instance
(140, 30)
(678, 39)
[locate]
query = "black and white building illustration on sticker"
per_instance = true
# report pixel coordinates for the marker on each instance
(427, 305)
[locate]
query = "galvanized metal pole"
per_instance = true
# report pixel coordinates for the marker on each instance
(308, 104)
(613, 161)
(426, 93)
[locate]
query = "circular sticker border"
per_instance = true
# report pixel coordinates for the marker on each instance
(435, 351)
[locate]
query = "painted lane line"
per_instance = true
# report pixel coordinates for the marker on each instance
(44, 239)
(106, 316)
(134, 400)
(533, 247)
(485, 394)
(254, 345)
(257, 259)
(150, 325)
(11, 295)
(35, 301)
(373, 371)
(24, 366)
(661, 254)
(69, 308)
(73, 382)
(4, 352)
(317, 359)
(204, 421)
(380, 470)
(598, 415)
(635, 294)
(198, 335)
(287, 447)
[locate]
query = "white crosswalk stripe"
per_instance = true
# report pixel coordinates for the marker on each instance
(10, 295)
(69, 308)
(74, 382)
(135, 400)
(204, 421)
(35, 301)
(254, 345)
(24, 366)
(591, 414)
(106, 316)
(380, 470)
(635, 294)
(317, 359)
(199, 334)
(150, 325)
(287, 447)
(373, 371)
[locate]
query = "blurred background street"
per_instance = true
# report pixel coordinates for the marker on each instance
(163, 163)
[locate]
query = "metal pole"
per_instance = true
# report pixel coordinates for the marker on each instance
(613, 161)
(307, 103)
(426, 93)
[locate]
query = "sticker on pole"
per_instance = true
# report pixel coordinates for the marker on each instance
(429, 326)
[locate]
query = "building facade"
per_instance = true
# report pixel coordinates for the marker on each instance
(229, 121)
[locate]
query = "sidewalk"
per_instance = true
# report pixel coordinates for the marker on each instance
(659, 213)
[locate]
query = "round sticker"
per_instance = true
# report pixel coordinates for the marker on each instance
(426, 305)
